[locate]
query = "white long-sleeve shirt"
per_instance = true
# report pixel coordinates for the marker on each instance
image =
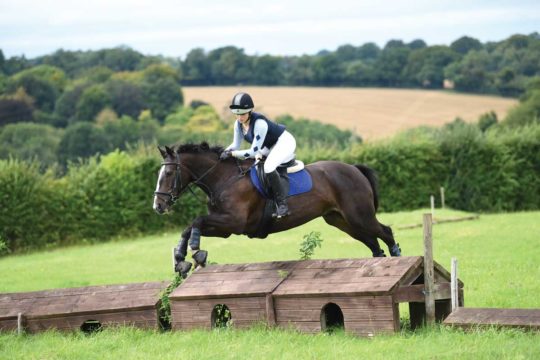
(260, 130)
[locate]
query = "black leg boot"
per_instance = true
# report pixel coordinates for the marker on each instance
(280, 197)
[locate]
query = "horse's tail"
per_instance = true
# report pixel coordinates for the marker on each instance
(372, 177)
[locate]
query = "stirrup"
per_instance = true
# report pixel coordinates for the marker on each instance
(281, 211)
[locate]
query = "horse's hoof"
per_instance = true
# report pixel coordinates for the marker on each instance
(200, 258)
(183, 268)
(379, 254)
(395, 250)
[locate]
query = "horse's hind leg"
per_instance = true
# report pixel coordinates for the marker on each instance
(388, 238)
(335, 219)
(368, 226)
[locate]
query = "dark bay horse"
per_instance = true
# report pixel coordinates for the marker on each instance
(344, 195)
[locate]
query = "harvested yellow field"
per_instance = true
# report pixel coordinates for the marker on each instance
(369, 112)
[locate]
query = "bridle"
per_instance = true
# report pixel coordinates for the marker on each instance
(174, 194)
(177, 188)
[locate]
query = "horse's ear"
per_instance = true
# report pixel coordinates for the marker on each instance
(169, 151)
(163, 153)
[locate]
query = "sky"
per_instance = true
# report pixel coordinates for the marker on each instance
(278, 27)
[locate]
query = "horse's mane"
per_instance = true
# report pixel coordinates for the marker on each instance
(198, 148)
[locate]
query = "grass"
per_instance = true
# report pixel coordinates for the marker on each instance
(370, 112)
(498, 258)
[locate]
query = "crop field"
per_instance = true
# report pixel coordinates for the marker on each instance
(372, 113)
(498, 263)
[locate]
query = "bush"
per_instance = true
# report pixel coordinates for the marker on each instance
(32, 208)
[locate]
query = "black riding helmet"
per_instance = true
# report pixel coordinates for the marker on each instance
(241, 103)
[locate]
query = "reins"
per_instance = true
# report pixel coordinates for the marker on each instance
(198, 181)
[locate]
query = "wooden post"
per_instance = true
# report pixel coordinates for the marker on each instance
(428, 270)
(270, 312)
(454, 287)
(20, 323)
(432, 200)
(442, 197)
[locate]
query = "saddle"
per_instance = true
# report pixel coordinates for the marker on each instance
(294, 178)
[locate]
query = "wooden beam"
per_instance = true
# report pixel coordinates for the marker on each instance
(270, 311)
(415, 293)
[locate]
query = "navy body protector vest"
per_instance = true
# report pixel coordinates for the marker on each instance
(274, 130)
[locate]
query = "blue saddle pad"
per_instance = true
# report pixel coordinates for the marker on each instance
(299, 182)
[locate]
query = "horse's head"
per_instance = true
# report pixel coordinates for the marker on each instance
(171, 180)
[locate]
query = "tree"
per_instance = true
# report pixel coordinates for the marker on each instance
(2, 62)
(391, 63)
(41, 90)
(13, 111)
(267, 70)
(126, 98)
(92, 100)
(300, 71)
(358, 73)
(369, 51)
(162, 96)
(82, 140)
(206, 120)
(527, 112)
(465, 44)
(120, 58)
(29, 141)
(66, 105)
(425, 67)
(471, 73)
(327, 70)
(229, 65)
(346, 53)
(417, 44)
(196, 68)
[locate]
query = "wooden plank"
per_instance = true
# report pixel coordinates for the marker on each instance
(415, 293)
(288, 288)
(343, 302)
(81, 300)
(367, 314)
(226, 276)
(142, 319)
(472, 317)
(413, 272)
(350, 274)
(208, 304)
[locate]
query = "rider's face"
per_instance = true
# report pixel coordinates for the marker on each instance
(242, 118)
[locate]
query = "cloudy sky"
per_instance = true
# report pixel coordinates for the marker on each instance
(278, 27)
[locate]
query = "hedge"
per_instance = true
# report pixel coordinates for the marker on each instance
(112, 195)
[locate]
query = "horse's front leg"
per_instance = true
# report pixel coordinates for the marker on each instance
(180, 252)
(209, 225)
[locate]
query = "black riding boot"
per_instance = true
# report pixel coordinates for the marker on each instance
(280, 197)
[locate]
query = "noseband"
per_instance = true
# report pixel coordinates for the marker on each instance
(174, 194)
(177, 189)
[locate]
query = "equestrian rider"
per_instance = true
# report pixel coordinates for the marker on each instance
(267, 139)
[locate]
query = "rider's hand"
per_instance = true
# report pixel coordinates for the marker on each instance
(225, 155)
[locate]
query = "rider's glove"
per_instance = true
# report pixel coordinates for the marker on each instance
(225, 155)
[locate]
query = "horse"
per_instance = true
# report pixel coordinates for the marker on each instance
(344, 195)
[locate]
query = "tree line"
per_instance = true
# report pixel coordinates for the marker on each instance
(467, 65)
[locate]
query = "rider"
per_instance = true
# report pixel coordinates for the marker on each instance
(267, 139)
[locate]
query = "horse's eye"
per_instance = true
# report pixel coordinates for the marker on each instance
(168, 173)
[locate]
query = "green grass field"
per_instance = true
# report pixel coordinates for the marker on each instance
(499, 262)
